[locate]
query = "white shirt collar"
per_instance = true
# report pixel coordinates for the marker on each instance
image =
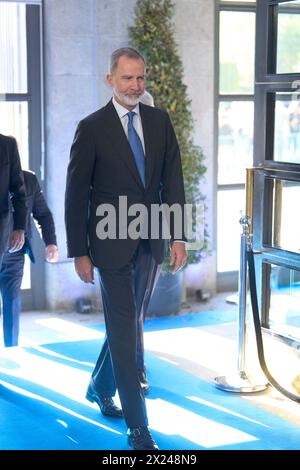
(123, 111)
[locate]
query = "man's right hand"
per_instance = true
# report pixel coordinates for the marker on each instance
(16, 241)
(85, 269)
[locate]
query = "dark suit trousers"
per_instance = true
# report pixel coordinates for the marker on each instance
(125, 291)
(11, 274)
(142, 278)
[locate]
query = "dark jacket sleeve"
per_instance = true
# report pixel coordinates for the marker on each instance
(79, 180)
(42, 214)
(172, 183)
(17, 188)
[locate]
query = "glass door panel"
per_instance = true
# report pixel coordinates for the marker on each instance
(287, 127)
(236, 47)
(237, 32)
(235, 141)
(13, 50)
(276, 225)
(14, 121)
(285, 233)
(284, 313)
(288, 37)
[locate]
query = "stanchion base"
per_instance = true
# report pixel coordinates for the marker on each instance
(240, 383)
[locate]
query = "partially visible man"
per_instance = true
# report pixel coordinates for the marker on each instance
(11, 186)
(11, 272)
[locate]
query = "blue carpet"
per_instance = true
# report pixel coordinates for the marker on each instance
(185, 411)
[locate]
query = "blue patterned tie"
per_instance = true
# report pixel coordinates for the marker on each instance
(136, 147)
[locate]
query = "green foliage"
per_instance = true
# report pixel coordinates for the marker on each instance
(153, 35)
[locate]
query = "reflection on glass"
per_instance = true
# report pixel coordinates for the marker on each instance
(237, 37)
(14, 121)
(286, 223)
(284, 314)
(231, 204)
(13, 53)
(287, 128)
(235, 141)
(288, 51)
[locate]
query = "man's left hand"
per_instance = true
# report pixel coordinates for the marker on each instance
(51, 253)
(178, 256)
(16, 241)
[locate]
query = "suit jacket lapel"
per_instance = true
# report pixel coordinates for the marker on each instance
(149, 139)
(118, 137)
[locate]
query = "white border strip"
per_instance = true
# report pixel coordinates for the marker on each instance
(29, 2)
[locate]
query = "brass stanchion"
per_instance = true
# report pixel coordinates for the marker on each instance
(240, 382)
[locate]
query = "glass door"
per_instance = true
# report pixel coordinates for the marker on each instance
(276, 223)
(235, 102)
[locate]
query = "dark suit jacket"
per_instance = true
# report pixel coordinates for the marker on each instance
(102, 168)
(38, 209)
(11, 186)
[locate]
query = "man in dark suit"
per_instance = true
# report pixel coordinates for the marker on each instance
(11, 187)
(11, 272)
(124, 149)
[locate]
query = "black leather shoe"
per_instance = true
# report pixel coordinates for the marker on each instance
(106, 404)
(143, 381)
(141, 439)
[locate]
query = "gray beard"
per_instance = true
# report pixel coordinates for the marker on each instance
(127, 101)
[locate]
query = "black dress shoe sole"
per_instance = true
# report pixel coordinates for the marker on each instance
(143, 448)
(111, 414)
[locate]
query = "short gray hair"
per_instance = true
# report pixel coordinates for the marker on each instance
(124, 51)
